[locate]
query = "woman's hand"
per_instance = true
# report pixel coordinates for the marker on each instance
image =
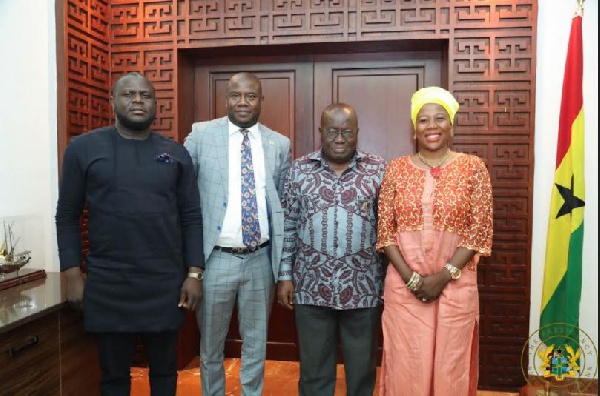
(431, 286)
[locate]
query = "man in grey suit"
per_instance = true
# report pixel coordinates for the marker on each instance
(241, 166)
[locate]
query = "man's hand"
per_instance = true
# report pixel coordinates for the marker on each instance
(285, 294)
(191, 292)
(74, 287)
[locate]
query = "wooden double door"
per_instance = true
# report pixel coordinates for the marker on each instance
(296, 89)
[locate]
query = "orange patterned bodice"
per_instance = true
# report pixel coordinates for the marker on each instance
(461, 202)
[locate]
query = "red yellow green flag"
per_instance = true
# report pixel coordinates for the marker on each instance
(561, 293)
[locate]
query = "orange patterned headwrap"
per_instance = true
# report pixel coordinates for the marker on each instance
(432, 95)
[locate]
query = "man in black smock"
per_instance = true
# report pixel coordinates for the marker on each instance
(145, 260)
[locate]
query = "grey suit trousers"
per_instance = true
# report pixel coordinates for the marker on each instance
(248, 281)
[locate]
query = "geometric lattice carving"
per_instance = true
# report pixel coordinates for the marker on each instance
(491, 73)
(142, 35)
(490, 70)
(87, 63)
(87, 71)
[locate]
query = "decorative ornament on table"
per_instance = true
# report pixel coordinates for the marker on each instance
(436, 170)
(11, 261)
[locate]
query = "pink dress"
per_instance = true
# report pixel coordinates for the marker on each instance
(431, 349)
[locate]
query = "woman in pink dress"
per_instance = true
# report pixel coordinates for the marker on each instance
(435, 221)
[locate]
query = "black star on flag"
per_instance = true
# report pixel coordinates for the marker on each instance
(571, 201)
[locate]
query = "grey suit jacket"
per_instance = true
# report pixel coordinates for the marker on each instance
(208, 145)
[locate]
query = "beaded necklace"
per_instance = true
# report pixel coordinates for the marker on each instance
(434, 170)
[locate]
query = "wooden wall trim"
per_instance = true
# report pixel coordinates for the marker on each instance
(87, 66)
(61, 77)
(490, 68)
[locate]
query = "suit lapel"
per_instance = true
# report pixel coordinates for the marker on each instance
(269, 149)
(270, 153)
(222, 147)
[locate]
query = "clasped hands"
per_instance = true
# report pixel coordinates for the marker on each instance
(429, 287)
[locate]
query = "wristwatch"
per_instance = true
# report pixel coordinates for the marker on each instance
(454, 272)
(196, 275)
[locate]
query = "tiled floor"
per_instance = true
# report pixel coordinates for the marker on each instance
(280, 380)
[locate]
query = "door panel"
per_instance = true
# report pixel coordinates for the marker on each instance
(287, 89)
(296, 90)
(380, 92)
(277, 111)
(287, 109)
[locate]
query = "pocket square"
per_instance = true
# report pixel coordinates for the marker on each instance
(164, 158)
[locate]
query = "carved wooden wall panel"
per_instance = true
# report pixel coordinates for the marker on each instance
(490, 69)
(83, 73)
(142, 38)
(87, 62)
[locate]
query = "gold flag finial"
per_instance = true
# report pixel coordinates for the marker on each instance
(579, 11)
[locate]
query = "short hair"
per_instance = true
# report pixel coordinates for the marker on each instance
(128, 74)
(247, 76)
(336, 107)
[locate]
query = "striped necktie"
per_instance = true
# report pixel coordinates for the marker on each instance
(250, 225)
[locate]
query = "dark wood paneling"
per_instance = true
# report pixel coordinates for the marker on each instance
(287, 88)
(79, 366)
(188, 344)
(489, 65)
(379, 86)
(44, 349)
(29, 359)
(282, 339)
(376, 84)
(86, 57)
(83, 76)
(185, 94)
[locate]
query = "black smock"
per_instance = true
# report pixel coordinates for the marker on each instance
(144, 228)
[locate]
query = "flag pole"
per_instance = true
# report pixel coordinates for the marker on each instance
(561, 293)
(579, 10)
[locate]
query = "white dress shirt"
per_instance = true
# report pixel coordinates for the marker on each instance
(231, 231)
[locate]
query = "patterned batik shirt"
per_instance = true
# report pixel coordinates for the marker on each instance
(330, 232)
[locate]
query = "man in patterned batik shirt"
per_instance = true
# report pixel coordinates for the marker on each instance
(330, 273)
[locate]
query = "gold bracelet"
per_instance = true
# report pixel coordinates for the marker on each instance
(413, 282)
(418, 284)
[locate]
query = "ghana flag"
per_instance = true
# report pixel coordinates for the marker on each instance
(561, 293)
